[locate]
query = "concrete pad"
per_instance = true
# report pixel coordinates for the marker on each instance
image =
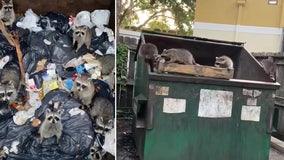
(277, 144)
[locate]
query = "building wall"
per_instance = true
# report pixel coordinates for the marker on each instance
(254, 22)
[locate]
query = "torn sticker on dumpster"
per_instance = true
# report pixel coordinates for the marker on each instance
(172, 105)
(215, 103)
(250, 113)
(252, 101)
(162, 91)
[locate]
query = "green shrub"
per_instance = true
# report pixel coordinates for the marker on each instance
(121, 64)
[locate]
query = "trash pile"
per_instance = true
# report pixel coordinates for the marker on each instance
(48, 94)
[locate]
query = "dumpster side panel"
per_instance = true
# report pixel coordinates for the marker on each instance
(140, 92)
(181, 132)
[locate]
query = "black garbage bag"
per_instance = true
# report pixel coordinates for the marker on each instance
(42, 42)
(76, 139)
(4, 122)
(54, 20)
(100, 43)
(6, 48)
(40, 45)
(61, 53)
(30, 60)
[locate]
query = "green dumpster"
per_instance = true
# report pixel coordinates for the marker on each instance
(182, 117)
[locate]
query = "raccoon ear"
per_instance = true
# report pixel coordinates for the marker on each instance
(110, 122)
(3, 2)
(47, 110)
(60, 111)
(101, 119)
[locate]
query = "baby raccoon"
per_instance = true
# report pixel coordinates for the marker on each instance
(7, 13)
(82, 35)
(180, 56)
(84, 89)
(102, 112)
(8, 92)
(269, 67)
(51, 125)
(148, 51)
(108, 63)
(9, 83)
(224, 62)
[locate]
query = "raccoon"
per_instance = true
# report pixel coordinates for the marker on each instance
(102, 112)
(224, 62)
(269, 67)
(107, 62)
(84, 89)
(8, 92)
(95, 153)
(10, 80)
(180, 56)
(82, 35)
(149, 52)
(52, 125)
(7, 13)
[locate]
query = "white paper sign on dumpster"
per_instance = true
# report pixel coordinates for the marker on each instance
(215, 103)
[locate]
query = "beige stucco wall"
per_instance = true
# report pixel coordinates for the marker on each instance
(254, 22)
(256, 39)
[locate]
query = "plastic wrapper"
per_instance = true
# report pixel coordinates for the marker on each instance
(100, 17)
(29, 21)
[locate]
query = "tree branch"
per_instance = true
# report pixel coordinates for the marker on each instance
(154, 15)
(13, 39)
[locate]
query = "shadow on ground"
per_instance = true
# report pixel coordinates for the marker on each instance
(126, 149)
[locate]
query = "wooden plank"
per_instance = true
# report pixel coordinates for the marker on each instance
(197, 70)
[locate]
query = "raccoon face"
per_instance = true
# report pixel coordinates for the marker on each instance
(81, 86)
(104, 122)
(6, 91)
(53, 117)
(95, 153)
(220, 60)
(81, 31)
(8, 7)
(83, 82)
